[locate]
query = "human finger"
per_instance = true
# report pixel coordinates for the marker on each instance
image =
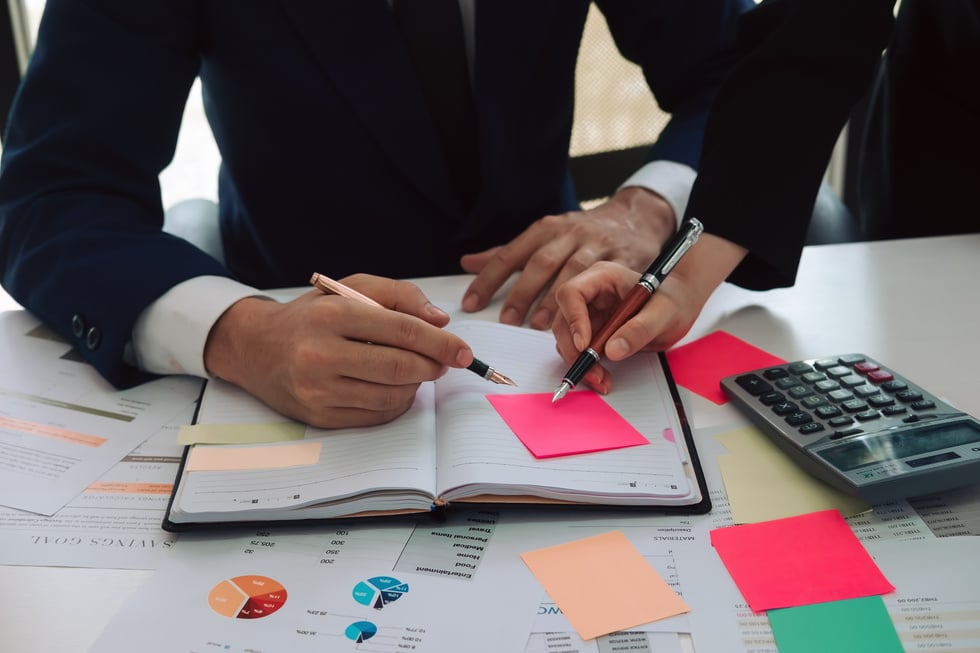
(402, 296)
(501, 262)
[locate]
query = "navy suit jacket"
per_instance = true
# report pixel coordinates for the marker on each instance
(802, 66)
(330, 161)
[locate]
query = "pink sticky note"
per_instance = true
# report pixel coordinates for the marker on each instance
(603, 584)
(579, 423)
(701, 364)
(811, 558)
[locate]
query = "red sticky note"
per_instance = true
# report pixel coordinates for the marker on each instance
(700, 365)
(581, 422)
(802, 560)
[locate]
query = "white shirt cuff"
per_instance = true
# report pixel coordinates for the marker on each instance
(669, 179)
(170, 334)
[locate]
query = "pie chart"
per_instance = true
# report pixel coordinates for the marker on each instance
(379, 591)
(361, 631)
(247, 597)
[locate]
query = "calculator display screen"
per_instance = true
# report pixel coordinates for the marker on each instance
(901, 444)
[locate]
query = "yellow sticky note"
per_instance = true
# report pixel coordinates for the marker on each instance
(241, 433)
(225, 457)
(763, 483)
(603, 584)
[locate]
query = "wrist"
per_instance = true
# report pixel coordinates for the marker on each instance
(656, 212)
(225, 350)
(711, 260)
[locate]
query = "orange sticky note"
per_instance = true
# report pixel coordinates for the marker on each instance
(579, 423)
(811, 558)
(224, 457)
(603, 584)
(700, 365)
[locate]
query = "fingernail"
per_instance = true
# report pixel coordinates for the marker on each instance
(471, 301)
(510, 316)
(463, 357)
(541, 319)
(579, 341)
(599, 381)
(434, 310)
(617, 348)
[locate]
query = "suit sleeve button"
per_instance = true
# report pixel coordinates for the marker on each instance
(93, 338)
(78, 325)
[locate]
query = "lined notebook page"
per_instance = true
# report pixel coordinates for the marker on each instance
(400, 454)
(477, 448)
(225, 403)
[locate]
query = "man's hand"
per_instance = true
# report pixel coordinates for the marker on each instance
(628, 229)
(333, 362)
(587, 301)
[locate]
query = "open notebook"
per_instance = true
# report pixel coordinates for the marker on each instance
(452, 446)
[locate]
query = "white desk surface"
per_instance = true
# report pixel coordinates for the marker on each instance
(914, 304)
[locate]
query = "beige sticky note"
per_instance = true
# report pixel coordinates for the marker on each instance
(240, 433)
(602, 584)
(763, 483)
(226, 457)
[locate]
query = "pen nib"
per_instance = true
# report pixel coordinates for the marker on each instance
(560, 391)
(499, 378)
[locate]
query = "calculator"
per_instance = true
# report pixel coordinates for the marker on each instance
(861, 426)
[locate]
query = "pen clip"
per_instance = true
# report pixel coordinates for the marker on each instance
(692, 231)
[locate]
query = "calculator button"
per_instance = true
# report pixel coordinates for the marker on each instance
(798, 417)
(826, 386)
(800, 368)
(868, 415)
(825, 363)
(843, 420)
(893, 410)
(784, 407)
(811, 427)
(799, 391)
(846, 433)
(854, 405)
(828, 411)
(911, 419)
(852, 381)
(925, 404)
(813, 377)
(880, 401)
(753, 384)
(866, 391)
(840, 395)
(775, 373)
(838, 372)
(880, 376)
(851, 359)
(894, 386)
(770, 398)
(864, 367)
(813, 401)
(787, 383)
(908, 396)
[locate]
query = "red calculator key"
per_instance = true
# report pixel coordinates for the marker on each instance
(880, 376)
(865, 367)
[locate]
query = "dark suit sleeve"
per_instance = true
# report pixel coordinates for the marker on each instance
(685, 49)
(803, 65)
(94, 122)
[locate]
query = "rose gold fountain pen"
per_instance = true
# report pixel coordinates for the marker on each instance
(330, 287)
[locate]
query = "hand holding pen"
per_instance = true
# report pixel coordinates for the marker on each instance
(328, 286)
(638, 296)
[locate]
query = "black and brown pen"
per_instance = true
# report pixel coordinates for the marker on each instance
(329, 286)
(671, 253)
